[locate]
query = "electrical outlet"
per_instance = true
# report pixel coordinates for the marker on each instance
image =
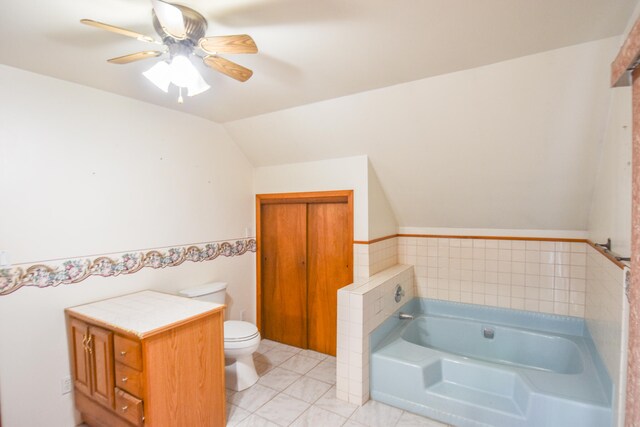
(66, 385)
(241, 314)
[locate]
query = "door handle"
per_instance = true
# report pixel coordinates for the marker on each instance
(89, 343)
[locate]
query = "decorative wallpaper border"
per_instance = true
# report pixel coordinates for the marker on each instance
(77, 270)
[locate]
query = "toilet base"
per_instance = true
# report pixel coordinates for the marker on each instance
(240, 373)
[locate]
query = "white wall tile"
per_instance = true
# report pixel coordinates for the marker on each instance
(504, 244)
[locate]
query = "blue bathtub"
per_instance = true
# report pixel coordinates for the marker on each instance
(475, 366)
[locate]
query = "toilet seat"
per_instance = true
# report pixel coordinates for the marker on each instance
(236, 331)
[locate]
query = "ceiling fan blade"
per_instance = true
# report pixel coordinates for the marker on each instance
(241, 43)
(118, 30)
(170, 18)
(135, 57)
(229, 68)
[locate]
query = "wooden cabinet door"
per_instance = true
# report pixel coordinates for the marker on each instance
(284, 273)
(102, 370)
(80, 356)
(329, 257)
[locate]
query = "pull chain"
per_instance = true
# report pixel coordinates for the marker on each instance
(180, 99)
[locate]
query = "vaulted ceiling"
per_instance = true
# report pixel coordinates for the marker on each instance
(310, 50)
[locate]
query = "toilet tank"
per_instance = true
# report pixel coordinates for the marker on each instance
(210, 292)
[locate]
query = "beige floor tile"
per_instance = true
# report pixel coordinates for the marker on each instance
(256, 421)
(329, 402)
(253, 397)
(325, 371)
(276, 356)
(313, 354)
(376, 414)
(266, 345)
(262, 367)
(282, 409)
(351, 423)
(279, 379)
(235, 415)
(286, 347)
(412, 420)
(316, 417)
(307, 389)
(300, 364)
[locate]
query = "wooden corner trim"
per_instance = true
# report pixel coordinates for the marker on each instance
(626, 59)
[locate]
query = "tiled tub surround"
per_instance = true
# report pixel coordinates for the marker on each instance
(374, 257)
(532, 275)
(607, 316)
(361, 308)
(554, 277)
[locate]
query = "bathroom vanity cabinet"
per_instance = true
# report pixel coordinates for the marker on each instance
(148, 359)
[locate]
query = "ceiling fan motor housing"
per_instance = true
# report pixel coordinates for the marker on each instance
(195, 26)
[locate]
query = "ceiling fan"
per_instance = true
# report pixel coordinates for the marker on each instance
(182, 31)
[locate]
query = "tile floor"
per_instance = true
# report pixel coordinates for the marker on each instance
(297, 388)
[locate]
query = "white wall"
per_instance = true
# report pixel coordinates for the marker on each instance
(510, 145)
(336, 174)
(85, 172)
(382, 220)
(607, 316)
(610, 215)
(373, 216)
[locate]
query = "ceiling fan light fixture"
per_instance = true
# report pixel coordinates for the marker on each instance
(184, 74)
(181, 72)
(197, 86)
(159, 75)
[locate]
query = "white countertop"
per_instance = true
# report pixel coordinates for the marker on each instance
(143, 312)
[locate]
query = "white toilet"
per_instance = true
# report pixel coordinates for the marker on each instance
(241, 339)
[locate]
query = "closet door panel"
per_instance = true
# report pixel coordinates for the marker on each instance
(330, 253)
(284, 273)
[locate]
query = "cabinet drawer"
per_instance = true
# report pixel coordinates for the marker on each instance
(129, 379)
(127, 351)
(129, 407)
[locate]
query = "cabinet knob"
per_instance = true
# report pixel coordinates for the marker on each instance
(124, 379)
(123, 353)
(124, 408)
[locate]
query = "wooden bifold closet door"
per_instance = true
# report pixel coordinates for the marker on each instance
(284, 273)
(306, 255)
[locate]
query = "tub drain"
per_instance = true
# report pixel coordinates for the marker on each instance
(488, 333)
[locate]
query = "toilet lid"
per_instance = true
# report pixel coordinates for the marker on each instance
(236, 330)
